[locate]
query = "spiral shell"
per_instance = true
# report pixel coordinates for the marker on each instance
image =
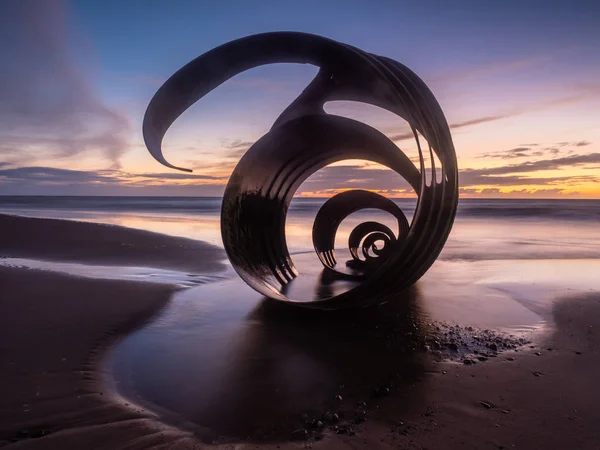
(305, 139)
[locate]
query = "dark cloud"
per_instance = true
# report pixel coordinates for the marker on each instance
(582, 144)
(48, 107)
(519, 152)
(36, 175)
(468, 178)
(489, 191)
(518, 193)
(552, 150)
(531, 150)
(178, 176)
(544, 164)
(53, 181)
(238, 144)
(51, 174)
(343, 177)
(509, 175)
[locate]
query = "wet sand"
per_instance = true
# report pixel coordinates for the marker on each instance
(56, 330)
(98, 244)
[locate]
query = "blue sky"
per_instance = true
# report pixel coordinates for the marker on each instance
(78, 76)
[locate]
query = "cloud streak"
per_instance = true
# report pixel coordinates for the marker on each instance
(47, 180)
(48, 107)
(533, 150)
(584, 93)
(544, 164)
(37, 180)
(467, 123)
(338, 178)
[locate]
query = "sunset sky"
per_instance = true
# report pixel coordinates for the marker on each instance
(519, 82)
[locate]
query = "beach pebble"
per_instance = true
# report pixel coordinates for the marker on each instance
(382, 391)
(486, 405)
(537, 353)
(345, 429)
(300, 434)
(360, 415)
(338, 398)
(510, 358)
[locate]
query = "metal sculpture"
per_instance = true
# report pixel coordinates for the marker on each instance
(305, 139)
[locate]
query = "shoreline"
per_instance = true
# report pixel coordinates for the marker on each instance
(56, 397)
(100, 244)
(56, 331)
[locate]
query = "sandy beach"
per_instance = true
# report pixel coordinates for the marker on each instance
(56, 331)
(97, 244)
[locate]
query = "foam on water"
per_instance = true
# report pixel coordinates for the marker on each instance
(130, 273)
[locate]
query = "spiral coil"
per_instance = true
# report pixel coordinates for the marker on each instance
(305, 139)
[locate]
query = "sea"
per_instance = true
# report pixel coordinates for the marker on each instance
(484, 229)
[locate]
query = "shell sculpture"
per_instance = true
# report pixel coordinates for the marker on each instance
(304, 139)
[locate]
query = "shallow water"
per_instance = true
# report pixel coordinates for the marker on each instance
(222, 361)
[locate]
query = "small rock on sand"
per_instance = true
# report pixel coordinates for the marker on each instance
(300, 434)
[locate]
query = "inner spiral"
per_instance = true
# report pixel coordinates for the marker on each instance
(365, 237)
(366, 256)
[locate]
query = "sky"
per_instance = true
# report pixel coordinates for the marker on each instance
(518, 81)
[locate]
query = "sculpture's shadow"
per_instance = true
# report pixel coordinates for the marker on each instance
(289, 364)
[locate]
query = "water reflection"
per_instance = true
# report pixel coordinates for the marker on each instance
(240, 366)
(222, 361)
